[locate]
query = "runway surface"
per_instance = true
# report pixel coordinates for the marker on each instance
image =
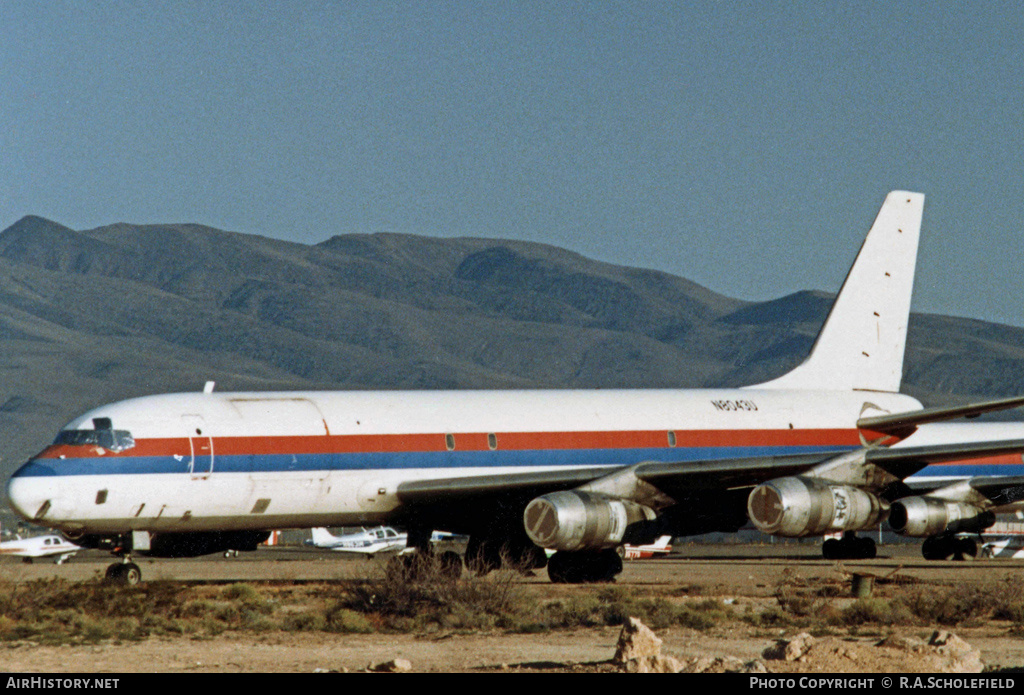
(749, 570)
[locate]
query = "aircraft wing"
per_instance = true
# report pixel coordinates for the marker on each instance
(704, 485)
(997, 490)
(903, 462)
(703, 475)
(668, 477)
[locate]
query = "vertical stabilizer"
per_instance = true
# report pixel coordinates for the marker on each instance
(860, 347)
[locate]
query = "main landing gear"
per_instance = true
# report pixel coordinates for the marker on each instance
(585, 566)
(419, 561)
(849, 547)
(946, 546)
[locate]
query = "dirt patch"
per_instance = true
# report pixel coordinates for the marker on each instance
(763, 600)
(575, 650)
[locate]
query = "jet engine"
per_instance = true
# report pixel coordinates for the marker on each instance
(576, 520)
(810, 507)
(930, 516)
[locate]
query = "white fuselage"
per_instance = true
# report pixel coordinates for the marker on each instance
(218, 461)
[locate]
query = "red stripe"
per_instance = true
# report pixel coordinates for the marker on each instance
(475, 441)
(1001, 460)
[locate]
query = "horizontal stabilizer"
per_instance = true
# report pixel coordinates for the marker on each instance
(901, 422)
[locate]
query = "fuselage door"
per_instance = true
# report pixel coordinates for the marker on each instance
(202, 446)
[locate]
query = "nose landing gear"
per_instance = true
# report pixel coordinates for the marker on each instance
(125, 572)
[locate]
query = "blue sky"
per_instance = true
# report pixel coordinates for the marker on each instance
(744, 145)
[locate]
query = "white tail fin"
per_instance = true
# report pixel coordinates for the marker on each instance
(861, 345)
(322, 536)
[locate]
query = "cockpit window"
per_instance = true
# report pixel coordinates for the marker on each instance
(112, 440)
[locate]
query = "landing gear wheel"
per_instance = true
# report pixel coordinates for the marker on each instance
(126, 573)
(587, 566)
(831, 549)
(866, 548)
(849, 547)
(937, 548)
(964, 549)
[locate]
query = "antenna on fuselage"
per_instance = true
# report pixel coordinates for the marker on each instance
(209, 386)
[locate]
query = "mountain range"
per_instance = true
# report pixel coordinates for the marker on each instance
(89, 317)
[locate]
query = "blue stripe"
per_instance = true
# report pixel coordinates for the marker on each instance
(970, 470)
(270, 463)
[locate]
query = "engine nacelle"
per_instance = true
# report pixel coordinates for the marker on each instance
(796, 507)
(577, 520)
(930, 516)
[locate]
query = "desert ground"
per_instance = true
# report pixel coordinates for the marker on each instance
(743, 577)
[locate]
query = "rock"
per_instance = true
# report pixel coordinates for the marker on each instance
(754, 666)
(943, 653)
(658, 663)
(393, 666)
(639, 651)
(791, 649)
(723, 664)
(907, 644)
(636, 641)
(958, 655)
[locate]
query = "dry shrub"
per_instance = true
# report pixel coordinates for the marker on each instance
(416, 592)
(950, 605)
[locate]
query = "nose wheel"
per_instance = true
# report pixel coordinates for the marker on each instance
(125, 573)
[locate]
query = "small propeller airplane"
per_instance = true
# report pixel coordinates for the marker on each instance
(381, 539)
(662, 546)
(40, 546)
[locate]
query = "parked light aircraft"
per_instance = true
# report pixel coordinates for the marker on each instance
(1004, 539)
(662, 546)
(578, 471)
(382, 539)
(40, 546)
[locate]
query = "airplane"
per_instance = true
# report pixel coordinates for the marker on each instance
(40, 546)
(828, 447)
(662, 546)
(1003, 540)
(382, 539)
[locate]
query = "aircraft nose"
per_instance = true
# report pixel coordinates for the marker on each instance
(28, 492)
